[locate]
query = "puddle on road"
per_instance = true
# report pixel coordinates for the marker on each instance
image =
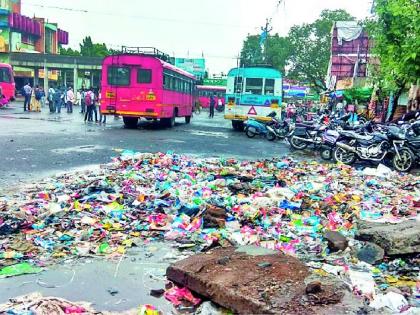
(209, 133)
(81, 149)
(142, 269)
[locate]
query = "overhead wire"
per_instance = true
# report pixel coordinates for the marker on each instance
(143, 17)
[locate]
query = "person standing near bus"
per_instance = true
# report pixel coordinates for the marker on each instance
(212, 105)
(102, 118)
(27, 91)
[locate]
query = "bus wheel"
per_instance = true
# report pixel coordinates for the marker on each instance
(130, 122)
(238, 125)
(187, 119)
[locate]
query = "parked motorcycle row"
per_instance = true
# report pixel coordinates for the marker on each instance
(335, 138)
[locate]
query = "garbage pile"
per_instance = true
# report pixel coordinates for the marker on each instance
(37, 304)
(305, 209)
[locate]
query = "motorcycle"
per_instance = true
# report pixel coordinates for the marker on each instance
(280, 129)
(254, 127)
(375, 147)
(412, 138)
(305, 134)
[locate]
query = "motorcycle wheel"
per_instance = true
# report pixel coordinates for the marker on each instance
(251, 132)
(342, 156)
(297, 144)
(404, 162)
(326, 154)
(271, 136)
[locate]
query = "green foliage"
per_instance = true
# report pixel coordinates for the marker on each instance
(251, 53)
(396, 34)
(88, 49)
(69, 52)
(305, 52)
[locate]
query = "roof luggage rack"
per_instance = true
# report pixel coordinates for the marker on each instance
(147, 51)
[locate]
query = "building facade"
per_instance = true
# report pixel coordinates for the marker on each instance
(19, 33)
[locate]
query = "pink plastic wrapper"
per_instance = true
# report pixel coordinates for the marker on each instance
(176, 295)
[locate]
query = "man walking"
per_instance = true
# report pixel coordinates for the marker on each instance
(27, 91)
(70, 100)
(212, 105)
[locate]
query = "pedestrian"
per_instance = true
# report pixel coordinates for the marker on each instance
(51, 92)
(70, 100)
(102, 118)
(82, 101)
(94, 101)
(78, 98)
(36, 100)
(212, 105)
(58, 100)
(43, 97)
(89, 101)
(220, 105)
(27, 92)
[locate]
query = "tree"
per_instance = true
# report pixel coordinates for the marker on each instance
(69, 52)
(251, 53)
(395, 31)
(276, 54)
(310, 46)
(304, 53)
(90, 49)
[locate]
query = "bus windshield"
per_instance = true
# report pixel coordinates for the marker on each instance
(5, 75)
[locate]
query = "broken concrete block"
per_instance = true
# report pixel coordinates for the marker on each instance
(241, 285)
(214, 217)
(395, 239)
(336, 241)
(370, 253)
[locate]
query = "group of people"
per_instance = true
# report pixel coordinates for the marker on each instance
(34, 98)
(59, 97)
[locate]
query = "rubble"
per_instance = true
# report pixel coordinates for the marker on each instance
(278, 287)
(306, 211)
(395, 239)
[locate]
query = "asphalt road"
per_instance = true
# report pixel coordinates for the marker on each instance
(35, 145)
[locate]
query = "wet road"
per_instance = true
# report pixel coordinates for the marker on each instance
(34, 145)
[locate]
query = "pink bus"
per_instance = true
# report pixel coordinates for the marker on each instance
(206, 91)
(7, 84)
(142, 85)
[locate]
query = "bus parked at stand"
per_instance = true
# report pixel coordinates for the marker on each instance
(7, 84)
(141, 83)
(252, 92)
(206, 91)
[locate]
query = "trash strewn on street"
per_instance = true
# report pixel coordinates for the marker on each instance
(313, 212)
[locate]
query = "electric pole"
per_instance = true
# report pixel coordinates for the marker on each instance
(264, 36)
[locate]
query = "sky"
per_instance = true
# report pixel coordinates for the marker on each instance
(183, 28)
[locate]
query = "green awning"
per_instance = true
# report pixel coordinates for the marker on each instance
(51, 27)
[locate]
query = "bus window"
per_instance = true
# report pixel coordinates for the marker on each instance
(119, 76)
(254, 86)
(5, 75)
(144, 76)
(269, 87)
(238, 84)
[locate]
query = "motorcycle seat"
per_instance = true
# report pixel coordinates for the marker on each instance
(355, 135)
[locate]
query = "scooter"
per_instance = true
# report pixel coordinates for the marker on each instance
(254, 127)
